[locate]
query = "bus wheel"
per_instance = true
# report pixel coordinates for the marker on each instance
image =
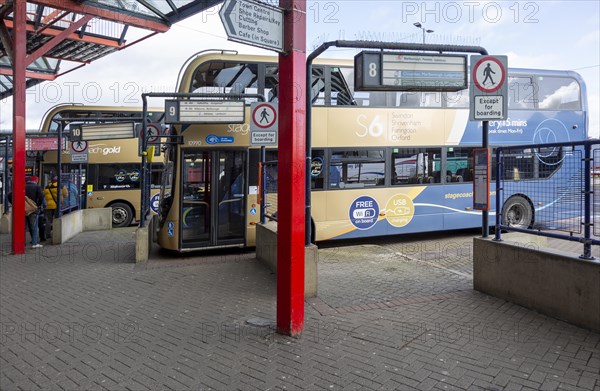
(517, 212)
(121, 215)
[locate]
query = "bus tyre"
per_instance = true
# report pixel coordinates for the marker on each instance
(517, 212)
(121, 215)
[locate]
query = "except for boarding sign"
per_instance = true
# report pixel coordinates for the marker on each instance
(264, 120)
(489, 88)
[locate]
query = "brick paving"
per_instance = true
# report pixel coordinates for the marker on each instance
(394, 313)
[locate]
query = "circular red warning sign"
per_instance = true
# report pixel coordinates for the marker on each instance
(152, 132)
(489, 74)
(264, 115)
(79, 146)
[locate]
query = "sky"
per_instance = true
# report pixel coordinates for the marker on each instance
(562, 35)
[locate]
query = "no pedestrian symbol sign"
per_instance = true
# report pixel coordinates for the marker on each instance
(153, 134)
(264, 123)
(79, 152)
(489, 88)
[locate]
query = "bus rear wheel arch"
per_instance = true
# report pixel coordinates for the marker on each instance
(518, 212)
(122, 214)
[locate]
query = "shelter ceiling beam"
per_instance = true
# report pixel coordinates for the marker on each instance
(5, 9)
(74, 36)
(6, 40)
(29, 74)
(104, 13)
(57, 39)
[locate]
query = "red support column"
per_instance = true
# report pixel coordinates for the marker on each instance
(18, 175)
(291, 171)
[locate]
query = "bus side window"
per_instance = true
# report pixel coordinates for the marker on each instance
(459, 164)
(318, 87)
(415, 166)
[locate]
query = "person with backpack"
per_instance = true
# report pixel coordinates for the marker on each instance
(51, 196)
(33, 192)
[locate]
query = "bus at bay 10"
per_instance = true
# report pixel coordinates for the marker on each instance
(384, 163)
(111, 175)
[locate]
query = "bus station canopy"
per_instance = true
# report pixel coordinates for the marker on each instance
(81, 31)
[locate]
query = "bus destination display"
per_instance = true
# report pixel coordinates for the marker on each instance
(204, 112)
(385, 71)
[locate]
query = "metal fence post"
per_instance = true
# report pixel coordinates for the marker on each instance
(498, 234)
(143, 168)
(587, 202)
(263, 178)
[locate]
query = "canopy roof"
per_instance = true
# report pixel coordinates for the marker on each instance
(81, 31)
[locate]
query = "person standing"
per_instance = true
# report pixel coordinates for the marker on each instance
(51, 196)
(36, 194)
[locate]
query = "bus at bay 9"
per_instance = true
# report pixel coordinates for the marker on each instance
(111, 175)
(384, 163)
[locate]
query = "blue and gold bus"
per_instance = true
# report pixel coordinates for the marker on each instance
(386, 163)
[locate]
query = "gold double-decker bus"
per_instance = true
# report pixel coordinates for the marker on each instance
(111, 177)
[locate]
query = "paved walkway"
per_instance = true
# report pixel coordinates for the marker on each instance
(391, 314)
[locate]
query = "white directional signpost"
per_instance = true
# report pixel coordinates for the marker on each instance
(264, 123)
(253, 23)
(489, 88)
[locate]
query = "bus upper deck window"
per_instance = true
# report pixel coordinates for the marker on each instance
(559, 93)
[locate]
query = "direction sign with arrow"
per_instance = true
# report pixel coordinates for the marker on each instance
(253, 23)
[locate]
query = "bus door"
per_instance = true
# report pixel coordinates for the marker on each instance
(213, 205)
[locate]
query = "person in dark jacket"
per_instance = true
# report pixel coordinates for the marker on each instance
(35, 192)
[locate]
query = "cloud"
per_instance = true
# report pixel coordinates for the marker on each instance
(590, 40)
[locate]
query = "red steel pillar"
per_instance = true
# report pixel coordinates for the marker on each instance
(18, 158)
(291, 171)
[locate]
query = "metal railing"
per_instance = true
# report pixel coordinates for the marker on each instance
(549, 190)
(70, 197)
(268, 190)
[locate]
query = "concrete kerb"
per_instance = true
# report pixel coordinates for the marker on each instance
(144, 237)
(6, 223)
(266, 252)
(68, 226)
(71, 224)
(555, 283)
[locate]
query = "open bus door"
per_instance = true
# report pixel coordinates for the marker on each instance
(213, 206)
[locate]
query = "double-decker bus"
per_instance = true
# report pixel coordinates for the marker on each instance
(111, 175)
(384, 163)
